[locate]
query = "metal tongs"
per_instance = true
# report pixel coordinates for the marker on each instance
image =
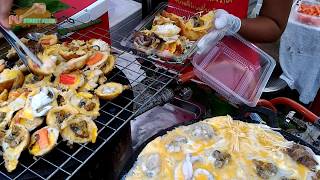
(22, 50)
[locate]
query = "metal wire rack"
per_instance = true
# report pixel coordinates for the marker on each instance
(63, 162)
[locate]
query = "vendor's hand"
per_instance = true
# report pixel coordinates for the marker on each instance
(5, 7)
(224, 20)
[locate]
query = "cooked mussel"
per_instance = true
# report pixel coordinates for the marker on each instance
(14, 142)
(80, 129)
(57, 115)
(86, 103)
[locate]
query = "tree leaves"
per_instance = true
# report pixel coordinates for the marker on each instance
(52, 5)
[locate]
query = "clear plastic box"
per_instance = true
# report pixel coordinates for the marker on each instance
(147, 24)
(307, 18)
(235, 68)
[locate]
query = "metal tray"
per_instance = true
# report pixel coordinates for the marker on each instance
(147, 24)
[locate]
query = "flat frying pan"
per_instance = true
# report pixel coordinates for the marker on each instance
(130, 163)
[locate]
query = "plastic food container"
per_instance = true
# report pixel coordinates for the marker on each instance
(147, 24)
(308, 12)
(236, 69)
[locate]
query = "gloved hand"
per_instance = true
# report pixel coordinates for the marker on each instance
(225, 20)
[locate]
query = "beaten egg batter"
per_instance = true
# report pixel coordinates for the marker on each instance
(219, 148)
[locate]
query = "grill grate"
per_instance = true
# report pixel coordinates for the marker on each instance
(63, 162)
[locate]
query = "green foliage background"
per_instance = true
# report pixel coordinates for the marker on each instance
(52, 5)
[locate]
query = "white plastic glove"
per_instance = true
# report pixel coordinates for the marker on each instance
(224, 20)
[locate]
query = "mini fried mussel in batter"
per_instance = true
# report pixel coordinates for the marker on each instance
(32, 79)
(48, 40)
(110, 91)
(5, 116)
(91, 80)
(97, 60)
(86, 103)
(57, 115)
(10, 79)
(198, 26)
(72, 80)
(47, 67)
(27, 120)
(43, 141)
(79, 129)
(63, 98)
(73, 49)
(195, 27)
(146, 41)
(15, 141)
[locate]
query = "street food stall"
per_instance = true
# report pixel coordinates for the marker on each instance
(112, 96)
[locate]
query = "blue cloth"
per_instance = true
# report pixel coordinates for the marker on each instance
(300, 58)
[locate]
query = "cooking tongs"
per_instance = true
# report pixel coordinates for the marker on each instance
(21, 49)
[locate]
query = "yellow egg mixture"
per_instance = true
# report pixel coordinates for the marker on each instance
(186, 153)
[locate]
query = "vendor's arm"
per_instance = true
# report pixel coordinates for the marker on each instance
(270, 24)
